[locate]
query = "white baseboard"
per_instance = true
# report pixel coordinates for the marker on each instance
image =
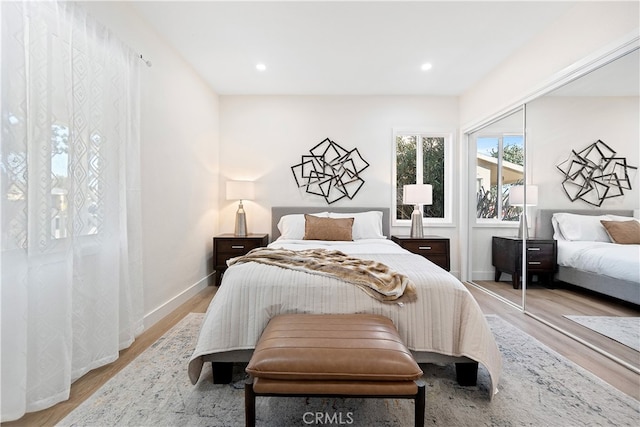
(486, 275)
(165, 309)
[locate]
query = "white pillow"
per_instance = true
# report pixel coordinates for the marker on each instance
(366, 225)
(621, 218)
(292, 226)
(557, 234)
(582, 227)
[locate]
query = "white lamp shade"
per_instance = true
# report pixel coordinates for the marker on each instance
(516, 195)
(240, 190)
(417, 194)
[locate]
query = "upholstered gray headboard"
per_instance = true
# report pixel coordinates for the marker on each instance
(278, 211)
(544, 229)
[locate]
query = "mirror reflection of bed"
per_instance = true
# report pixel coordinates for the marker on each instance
(600, 105)
(596, 292)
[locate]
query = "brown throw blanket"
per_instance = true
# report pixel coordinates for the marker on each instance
(374, 278)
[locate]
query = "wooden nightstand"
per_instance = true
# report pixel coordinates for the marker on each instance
(226, 246)
(433, 248)
(506, 257)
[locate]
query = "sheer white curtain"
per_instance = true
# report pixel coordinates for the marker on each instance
(71, 293)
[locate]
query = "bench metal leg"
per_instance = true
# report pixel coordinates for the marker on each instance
(249, 404)
(420, 403)
(250, 401)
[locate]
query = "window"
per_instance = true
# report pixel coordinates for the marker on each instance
(422, 158)
(499, 165)
(88, 181)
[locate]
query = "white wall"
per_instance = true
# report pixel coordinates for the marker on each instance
(586, 28)
(556, 125)
(179, 170)
(261, 137)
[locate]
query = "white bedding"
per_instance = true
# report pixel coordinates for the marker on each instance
(357, 247)
(445, 319)
(608, 259)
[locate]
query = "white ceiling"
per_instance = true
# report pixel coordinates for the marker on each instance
(345, 48)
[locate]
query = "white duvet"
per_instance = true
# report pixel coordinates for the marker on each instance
(608, 259)
(445, 319)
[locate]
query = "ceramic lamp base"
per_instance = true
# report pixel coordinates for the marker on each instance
(416, 224)
(241, 222)
(523, 229)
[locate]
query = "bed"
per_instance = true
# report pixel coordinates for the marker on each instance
(443, 325)
(588, 259)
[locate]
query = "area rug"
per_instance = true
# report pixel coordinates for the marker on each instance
(625, 330)
(539, 387)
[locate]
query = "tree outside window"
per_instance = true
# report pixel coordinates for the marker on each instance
(499, 166)
(87, 218)
(421, 159)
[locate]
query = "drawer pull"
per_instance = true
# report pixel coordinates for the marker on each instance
(424, 248)
(237, 246)
(533, 249)
(534, 263)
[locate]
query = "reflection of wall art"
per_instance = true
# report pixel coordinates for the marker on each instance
(330, 171)
(595, 174)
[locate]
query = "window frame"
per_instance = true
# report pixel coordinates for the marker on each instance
(449, 141)
(500, 136)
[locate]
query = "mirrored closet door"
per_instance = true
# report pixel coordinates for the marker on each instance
(596, 116)
(598, 111)
(496, 166)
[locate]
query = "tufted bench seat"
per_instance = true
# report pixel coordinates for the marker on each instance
(341, 355)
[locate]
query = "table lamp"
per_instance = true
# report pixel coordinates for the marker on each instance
(417, 194)
(516, 198)
(240, 190)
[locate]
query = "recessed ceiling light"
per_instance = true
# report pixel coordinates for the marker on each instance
(261, 67)
(426, 66)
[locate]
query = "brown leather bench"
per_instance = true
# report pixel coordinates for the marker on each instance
(340, 355)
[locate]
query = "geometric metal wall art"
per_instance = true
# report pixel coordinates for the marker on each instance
(595, 174)
(330, 171)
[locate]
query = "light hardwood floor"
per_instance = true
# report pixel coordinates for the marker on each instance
(553, 304)
(93, 380)
(609, 371)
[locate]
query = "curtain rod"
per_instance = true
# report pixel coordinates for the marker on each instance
(146, 61)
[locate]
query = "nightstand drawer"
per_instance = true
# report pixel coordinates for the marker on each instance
(236, 246)
(223, 257)
(539, 251)
(543, 265)
(441, 260)
(431, 247)
(506, 257)
(228, 246)
(231, 248)
(538, 262)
